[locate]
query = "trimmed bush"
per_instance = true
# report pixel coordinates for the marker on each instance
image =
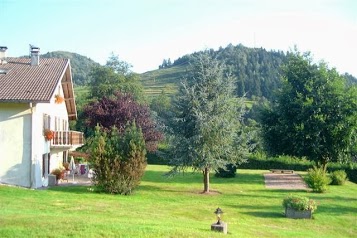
(281, 162)
(317, 179)
(228, 172)
(291, 163)
(338, 177)
(118, 160)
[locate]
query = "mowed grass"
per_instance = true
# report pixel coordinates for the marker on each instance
(164, 207)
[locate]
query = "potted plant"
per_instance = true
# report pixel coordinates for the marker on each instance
(48, 134)
(66, 165)
(57, 173)
(59, 99)
(299, 207)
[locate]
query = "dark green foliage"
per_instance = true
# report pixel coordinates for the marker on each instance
(257, 71)
(317, 179)
(114, 77)
(118, 159)
(228, 172)
(157, 158)
(290, 163)
(315, 115)
(338, 177)
(281, 162)
(81, 65)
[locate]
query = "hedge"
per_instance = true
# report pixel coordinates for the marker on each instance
(281, 162)
(290, 163)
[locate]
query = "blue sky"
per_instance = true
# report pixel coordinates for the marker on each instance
(144, 32)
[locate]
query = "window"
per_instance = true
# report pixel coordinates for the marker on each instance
(46, 164)
(64, 156)
(46, 121)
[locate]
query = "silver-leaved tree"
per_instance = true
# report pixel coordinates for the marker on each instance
(207, 125)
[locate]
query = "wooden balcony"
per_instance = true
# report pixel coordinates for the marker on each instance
(67, 139)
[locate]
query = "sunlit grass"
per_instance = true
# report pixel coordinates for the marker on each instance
(173, 207)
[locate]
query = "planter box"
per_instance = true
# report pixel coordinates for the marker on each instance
(52, 180)
(291, 213)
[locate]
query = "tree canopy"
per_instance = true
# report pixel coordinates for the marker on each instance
(118, 111)
(80, 65)
(207, 119)
(115, 76)
(315, 114)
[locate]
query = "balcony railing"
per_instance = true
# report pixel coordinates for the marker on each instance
(67, 139)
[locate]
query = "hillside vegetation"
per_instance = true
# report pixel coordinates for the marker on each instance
(258, 71)
(80, 65)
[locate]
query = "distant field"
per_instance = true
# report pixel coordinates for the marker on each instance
(155, 82)
(166, 80)
(174, 207)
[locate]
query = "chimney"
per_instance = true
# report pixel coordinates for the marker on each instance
(3, 54)
(35, 55)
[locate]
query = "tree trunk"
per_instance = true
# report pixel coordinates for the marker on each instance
(324, 162)
(206, 180)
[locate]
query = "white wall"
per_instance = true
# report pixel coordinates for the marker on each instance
(22, 145)
(40, 145)
(15, 144)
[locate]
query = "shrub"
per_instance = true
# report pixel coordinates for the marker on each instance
(285, 162)
(299, 203)
(118, 160)
(317, 179)
(66, 165)
(57, 172)
(338, 177)
(228, 172)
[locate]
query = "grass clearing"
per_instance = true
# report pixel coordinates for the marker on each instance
(174, 207)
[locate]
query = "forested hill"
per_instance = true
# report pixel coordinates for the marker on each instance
(256, 69)
(81, 65)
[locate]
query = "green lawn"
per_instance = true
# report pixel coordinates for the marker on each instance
(163, 207)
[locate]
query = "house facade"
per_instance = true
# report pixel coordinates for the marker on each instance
(36, 104)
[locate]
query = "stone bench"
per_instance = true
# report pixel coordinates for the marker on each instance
(282, 171)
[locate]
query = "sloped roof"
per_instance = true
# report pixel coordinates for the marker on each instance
(21, 82)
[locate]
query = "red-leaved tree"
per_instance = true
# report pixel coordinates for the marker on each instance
(118, 111)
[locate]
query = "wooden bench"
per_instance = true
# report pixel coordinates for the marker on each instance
(282, 171)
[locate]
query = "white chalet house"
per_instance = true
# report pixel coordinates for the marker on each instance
(28, 108)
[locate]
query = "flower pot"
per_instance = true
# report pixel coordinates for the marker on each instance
(59, 99)
(49, 134)
(291, 213)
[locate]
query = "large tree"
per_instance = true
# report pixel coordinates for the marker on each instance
(115, 76)
(315, 114)
(118, 111)
(207, 120)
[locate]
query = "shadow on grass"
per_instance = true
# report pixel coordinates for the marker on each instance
(197, 177)
(258, 210)
(77, 189)
(336, 209)
(265, 214)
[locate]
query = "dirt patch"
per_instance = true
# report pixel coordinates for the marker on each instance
(284, 181)
(211, 192)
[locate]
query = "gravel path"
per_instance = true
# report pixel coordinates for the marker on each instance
(284, 181)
